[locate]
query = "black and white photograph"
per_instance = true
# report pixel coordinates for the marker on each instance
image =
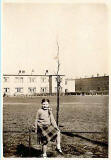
(55, 81)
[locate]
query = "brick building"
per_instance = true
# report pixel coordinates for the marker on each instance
(93, 84)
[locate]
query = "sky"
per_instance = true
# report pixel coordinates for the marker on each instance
(31, 32)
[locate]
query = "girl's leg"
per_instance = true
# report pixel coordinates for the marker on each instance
(58, 148)
(58, 140)
(44, 149)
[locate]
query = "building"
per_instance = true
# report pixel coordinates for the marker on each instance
(22, 84)
(92, 84)
(69, 85)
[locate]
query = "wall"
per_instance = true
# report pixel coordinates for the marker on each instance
(92, 84)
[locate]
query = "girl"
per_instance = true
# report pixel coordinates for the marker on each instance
(46, 127)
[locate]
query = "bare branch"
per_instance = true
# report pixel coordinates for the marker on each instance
(58, 64)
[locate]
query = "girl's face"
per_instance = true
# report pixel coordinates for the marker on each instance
(45, 105)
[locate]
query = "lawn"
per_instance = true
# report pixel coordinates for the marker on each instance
(77, 113)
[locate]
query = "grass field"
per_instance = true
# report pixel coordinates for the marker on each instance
(77, 113)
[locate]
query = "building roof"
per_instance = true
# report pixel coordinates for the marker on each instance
(31, 75)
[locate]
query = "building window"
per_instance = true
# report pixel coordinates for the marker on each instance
(59, 79)
(43, 79)
(19, 90)
(16, 79)
(19, 79)
(31, 79)
(65, 82)
(32, 89)
(106, 87)
(43, 90)
(6, 79)
(59, 89)
(55, 89)
(6, 90)
(98, 88)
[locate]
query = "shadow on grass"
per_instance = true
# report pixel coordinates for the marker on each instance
(23, 151)
(87, 139)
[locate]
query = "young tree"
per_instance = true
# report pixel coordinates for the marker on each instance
(58, 84)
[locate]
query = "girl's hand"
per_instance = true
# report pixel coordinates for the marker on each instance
(50, 109)
(58, 129)
(35, 130)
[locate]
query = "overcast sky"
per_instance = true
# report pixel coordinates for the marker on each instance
(30, 32)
